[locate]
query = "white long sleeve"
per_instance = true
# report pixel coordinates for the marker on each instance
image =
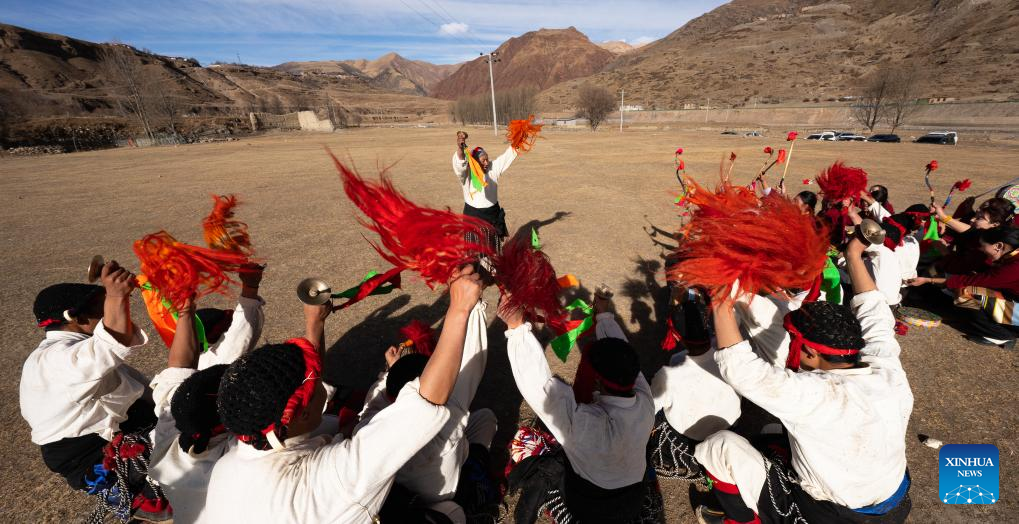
(241, 337)
(475, 358)
(74, 384)
(551, 399)
(501, 164)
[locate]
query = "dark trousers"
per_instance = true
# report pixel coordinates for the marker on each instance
(981, 324)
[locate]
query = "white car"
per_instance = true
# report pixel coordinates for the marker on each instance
(849, 137)
(827, 135)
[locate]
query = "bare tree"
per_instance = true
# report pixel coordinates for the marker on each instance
(125, 71)
(512, 104)
(870, 105)
(168, 105)
(904, 90)
(594, 103)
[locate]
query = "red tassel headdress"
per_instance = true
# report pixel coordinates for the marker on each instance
(766, 244)
(840, 181)
(521, 134)
(527, 276)
(431, 242)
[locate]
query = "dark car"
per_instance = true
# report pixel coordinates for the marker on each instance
(934, 139)
(885, 138)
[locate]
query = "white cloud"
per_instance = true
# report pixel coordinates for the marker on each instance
(453, 28)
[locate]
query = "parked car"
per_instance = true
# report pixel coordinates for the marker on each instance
(885, 138)
(849, 137)
(729, 133)
(950, 138)
(827, 135)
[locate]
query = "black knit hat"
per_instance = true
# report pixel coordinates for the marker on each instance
(194, 408)
(255, 389)
(52, 301)
(616, 363)
(403, 371)
(832, 325)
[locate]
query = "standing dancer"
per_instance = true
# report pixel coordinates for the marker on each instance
(479, 179)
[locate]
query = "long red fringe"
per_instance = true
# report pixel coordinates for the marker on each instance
(528, 277)
(421, 335)
(521, 134)
(840, 181)
(430, 242)
(180, 270)
(224, 233)
(766, 244)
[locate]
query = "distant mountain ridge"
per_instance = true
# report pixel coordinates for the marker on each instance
(390, 71)
(750, 51)
(538, 59)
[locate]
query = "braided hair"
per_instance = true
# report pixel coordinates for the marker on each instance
(615, 361)
(403, 371)
(833, 325)
(194, 408)
(255, 389)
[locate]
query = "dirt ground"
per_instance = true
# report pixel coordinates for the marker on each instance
(593, 197)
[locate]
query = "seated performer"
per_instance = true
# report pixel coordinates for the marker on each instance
(189, 437)
(273, 398)
(482, 203)
(807, 200)
(966, 256)
(692, 401)
(604, 441)
(432, 473)
(990, 295)
(882, 261)
(846, 415)
(78, 395)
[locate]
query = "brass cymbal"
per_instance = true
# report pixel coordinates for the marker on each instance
(95, 268)
(871, 231)
(313, 291)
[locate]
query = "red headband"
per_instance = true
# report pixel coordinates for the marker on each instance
(613, 385)
(797, 342)
(889, 243)
(49, 322)
(302, 395)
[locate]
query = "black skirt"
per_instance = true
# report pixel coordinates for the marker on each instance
(494, 215)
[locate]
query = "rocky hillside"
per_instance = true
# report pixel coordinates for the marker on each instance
(390, 71)
(538, 59)
(47, 76)
(766, 51)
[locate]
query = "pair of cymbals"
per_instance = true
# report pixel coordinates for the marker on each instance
(95, 268)
(871, 232)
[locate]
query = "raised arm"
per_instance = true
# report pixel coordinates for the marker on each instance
(184, 349)
(119, 284)
(551, 399)
(459, 159)
(440, 374)
(955, 225)
(245, 327)
(876, 318)
(501, 164)
(474, 360)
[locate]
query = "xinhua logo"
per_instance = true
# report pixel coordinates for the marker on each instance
(968, 474)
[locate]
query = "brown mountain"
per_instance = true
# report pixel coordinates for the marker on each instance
(390, 71)
(537, 59)
(45, 76)
(619, 47)
(794, 50)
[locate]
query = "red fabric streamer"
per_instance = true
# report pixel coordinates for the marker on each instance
(781, 156)
(806, 181)
(679, 150)
(368, 286)
(791, 136)
(521, 134)
(430, 242)
(420, 335)
(672, 337)
(962, 185)
(180, 270)
(529, 282)
(224, 233)
(840, 181)
(768, 150)
(932, 166)
(766, 244)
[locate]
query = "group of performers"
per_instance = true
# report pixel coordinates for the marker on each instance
(784, 393)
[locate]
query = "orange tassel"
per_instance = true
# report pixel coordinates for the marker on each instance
(767, 244)
(521, 134)
(224, 233)
(179, 270)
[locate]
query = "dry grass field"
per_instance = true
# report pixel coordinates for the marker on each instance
(592, 196)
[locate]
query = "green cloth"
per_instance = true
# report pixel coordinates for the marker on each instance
(562, 344)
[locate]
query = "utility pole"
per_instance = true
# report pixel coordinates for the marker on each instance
(707, 110)
(491, 81)
(621, 93)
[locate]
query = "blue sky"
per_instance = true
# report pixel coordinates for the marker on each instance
(268, 32)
